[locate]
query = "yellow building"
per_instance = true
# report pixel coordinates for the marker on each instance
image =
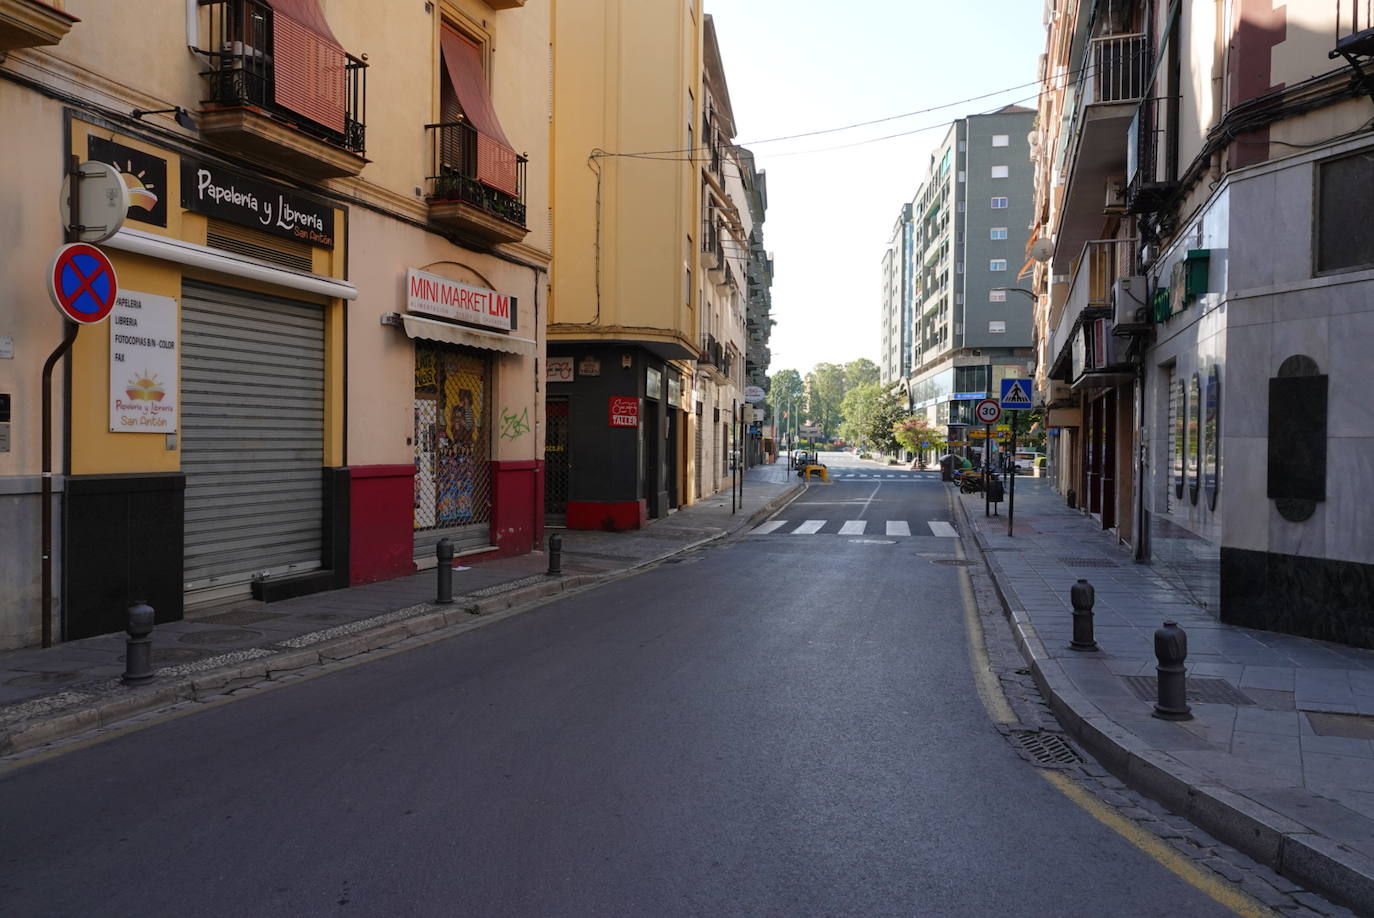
(331, 277)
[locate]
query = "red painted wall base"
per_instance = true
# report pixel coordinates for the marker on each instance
(517, 508)
(381, 521)
(607, 515)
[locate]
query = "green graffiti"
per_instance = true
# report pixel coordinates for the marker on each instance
(514, 425)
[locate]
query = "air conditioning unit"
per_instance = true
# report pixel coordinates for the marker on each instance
(1116, 197)
(1130, 302)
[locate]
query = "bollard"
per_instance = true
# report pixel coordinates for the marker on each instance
(138, 653)
(444, 552)
(1081, 594)
(555, 554)
(1072, 496)
(1171, 649)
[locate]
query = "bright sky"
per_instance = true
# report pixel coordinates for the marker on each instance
(803, 65)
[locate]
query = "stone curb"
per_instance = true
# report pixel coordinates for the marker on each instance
(1286, 846)
(28, 734)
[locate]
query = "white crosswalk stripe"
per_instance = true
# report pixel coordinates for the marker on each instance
(810, 527)
(942, 529)
(853, 527)
(770, 526)
(898, 528)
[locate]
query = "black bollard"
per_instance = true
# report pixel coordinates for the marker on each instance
(444, 553)
(138, 654)
(555, 554)
(1072, 496)
(1171, 649)
(1081, 594)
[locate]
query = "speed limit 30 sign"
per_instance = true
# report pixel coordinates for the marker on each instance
(987, 411)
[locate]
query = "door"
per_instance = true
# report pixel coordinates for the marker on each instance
(557, 463)
(452, 447)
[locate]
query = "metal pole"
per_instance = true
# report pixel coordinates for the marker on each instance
(443, 556)
(1011, 471)
(744, 451)
(734, 458)
(987, 460)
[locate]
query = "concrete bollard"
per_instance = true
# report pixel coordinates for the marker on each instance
(555, 554)
(1171, 649)
(1081, 595)
(444, 553)
(138, 653)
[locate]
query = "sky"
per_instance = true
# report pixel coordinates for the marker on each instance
(796, 66)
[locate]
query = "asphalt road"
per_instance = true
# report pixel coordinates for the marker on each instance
(783, 726)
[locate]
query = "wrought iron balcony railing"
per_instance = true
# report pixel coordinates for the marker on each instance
(1120, 65)
(470, 167)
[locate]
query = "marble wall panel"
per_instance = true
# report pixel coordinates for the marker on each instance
(1349, 520)
(1351, 368)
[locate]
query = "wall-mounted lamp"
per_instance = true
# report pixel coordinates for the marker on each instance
(182, 116)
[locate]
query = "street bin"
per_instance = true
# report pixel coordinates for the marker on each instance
(995, 490)
(947, 468)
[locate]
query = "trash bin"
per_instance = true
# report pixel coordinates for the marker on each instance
(995, 490)
(947, 468)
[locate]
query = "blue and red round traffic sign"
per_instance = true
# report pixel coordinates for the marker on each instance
(82, 283)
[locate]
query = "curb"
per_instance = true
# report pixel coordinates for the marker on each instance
(413, 630)
(1285, 845)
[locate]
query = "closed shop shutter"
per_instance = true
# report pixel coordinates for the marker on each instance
(252, 439)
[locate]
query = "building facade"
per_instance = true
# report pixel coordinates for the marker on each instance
(962, 246)
(247, 424)
(1239, 299)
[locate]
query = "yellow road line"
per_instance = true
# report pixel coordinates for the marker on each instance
(984, 679)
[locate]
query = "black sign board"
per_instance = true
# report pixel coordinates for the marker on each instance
(144, 173)
(232, 196)
(4, 407)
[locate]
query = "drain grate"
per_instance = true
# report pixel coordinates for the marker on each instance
(1047, 750)
(1199, 690)
(1086, 562)
(239, 617)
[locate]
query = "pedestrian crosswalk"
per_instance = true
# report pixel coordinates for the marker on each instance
(901, 476)
(893, 528)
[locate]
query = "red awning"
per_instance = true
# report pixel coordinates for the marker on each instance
(496, 161)
(307, 13)
(309, 69)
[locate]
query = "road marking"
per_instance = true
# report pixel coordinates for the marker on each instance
(770, 526)
(854, 527)
(942, 529)
(898, 528)
(810, 527)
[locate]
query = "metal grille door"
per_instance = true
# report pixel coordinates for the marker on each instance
(252, 439)
(557, 468)
(698, 426)
(452, 448)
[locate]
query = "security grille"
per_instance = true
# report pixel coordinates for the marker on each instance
(557, 467)
(452, 448)
(699, 438)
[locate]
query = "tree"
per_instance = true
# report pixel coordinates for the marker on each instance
(912, 432)
(786, 394)
(824, 396)
(870, 413)
(861, 372)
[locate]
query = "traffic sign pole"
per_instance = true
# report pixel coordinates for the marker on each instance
(1011, 485)
(987, 461)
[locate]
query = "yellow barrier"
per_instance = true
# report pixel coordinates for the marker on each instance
(808, 469)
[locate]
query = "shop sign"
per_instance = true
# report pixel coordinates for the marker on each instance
(231, 196)
(558, 369)
(589, 366)
(964, 397)
(675, 391)
(653, 383)
(432, 295)
(143, 364)
(143, 173)
(624, 411)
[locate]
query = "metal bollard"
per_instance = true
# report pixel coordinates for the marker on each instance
(1072, 497)
(444, 553)
(555, 554)
(1171, 649)
(1082, 594)
(138, 653)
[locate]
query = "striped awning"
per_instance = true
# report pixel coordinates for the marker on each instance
(433, 330)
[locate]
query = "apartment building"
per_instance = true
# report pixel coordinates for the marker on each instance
(1203, 174)
(331, 278)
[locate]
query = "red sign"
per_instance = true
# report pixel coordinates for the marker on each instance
(82, 283)
(987, 411)
(624, 411)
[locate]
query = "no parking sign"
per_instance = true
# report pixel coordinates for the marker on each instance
(82, 283)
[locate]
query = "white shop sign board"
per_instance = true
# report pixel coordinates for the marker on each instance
(143, 363)
(432, 295)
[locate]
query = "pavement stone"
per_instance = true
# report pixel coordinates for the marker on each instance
(1258, 776)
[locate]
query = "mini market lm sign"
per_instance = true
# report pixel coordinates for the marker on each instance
(432, 295)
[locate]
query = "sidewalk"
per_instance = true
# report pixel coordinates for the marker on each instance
(1278, 760)
(51, 693)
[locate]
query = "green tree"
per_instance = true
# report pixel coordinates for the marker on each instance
(825, 394)
(861, 372)
(787, 395)
(870, 413)
(911, 432)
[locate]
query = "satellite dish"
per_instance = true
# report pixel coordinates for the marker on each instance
(1042, 250)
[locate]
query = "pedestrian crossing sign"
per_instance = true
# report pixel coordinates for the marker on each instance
(1016, 395)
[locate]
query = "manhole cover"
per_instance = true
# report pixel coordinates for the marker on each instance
(872, 541)
(1086, 562)
(952, 562)
(1048, 750)
(33, 679)
(220, 636)
(1199, 690)
(240, 617)
(1350, 726)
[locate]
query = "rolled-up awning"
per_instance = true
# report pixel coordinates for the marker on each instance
(309, 67)
(496, 159)
(432, 330)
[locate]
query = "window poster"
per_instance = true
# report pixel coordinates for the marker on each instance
(1194, 450)
(1211, 435)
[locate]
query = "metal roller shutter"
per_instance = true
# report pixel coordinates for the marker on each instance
(252, 439)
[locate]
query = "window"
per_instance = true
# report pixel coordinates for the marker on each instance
(963, 146)
(999, 203)
(959, 268)
(687, 288)
(997, 295)
(997, 264)
(1345, 196)
(961, 175)
(997, 232)
(961, 207)
(999, 171)
(1000, 140)
(997, 327)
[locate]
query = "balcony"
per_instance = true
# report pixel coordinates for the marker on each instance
(281, 92)
(1109, 92)
(477, 185)
(1151, 164)
(31, 24)
(1099, 265)
(712, 254)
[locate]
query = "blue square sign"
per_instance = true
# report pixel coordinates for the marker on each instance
(1016, 395)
